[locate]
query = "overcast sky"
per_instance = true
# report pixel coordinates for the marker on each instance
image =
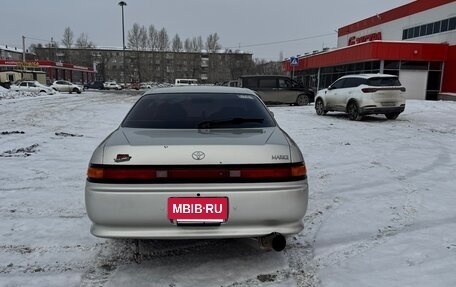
(238, 22)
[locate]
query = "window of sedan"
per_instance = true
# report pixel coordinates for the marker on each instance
(196, 111)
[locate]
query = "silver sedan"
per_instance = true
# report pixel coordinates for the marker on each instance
(197, 162)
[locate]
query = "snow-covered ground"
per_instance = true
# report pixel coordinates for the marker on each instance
(381, 210)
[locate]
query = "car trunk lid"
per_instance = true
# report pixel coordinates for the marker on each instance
(197, 147)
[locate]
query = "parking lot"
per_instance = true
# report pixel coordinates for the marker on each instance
(381, 208)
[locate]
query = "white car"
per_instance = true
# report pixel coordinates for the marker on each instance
(363, 94)
(65, 86)
(32, 86)
(112, 86)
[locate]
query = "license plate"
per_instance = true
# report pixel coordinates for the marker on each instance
(198, 209)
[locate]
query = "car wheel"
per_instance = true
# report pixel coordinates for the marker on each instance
(320, 107)
(353, 111)
(302, 100)
(43, 91)
(76, 90)
(392, 116)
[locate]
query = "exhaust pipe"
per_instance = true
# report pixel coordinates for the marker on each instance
(274, 241)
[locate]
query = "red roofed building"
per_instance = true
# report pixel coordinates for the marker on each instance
(416, 41)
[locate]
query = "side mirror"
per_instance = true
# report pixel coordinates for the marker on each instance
(330, 88)
(272, 114)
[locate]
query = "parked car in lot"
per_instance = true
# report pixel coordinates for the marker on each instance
(278, 89)
(32, 86)
(134, 86)
(233, 83)
(65, 86)
(363, 94)
(112, 86)
(198, 162)
(145, 86)
(97, 85)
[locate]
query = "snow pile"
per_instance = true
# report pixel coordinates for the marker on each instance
(7, 94)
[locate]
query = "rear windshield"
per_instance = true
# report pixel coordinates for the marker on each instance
(198, 110)
(383, 81)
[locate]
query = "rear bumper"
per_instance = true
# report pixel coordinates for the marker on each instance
(381, 110)
(140, 211)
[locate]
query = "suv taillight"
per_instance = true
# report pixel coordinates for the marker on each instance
(369, 90)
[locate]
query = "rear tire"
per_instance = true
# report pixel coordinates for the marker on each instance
(392, 116)
(320, 107)
(302, 100)
(353, 111)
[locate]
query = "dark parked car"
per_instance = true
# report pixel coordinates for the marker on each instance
(278, 89)
(98, 85)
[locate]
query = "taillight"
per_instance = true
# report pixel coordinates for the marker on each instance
(163, 174)
(369, 90)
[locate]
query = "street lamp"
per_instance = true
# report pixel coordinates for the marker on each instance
(122, 4)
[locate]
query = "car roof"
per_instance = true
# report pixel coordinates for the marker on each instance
(199, 89)
(368, 76)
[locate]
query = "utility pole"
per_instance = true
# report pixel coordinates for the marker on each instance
(23, 48)
(122, 4)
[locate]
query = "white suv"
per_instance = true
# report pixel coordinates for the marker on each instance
(363, 94)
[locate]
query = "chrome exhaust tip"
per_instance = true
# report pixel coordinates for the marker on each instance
(273, 241)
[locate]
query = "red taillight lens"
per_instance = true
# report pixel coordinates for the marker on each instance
(369, 90)
(100, 173)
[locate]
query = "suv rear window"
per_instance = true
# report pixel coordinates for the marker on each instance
(198, 110)
(384, 82)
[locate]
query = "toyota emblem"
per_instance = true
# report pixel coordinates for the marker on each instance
(198, 155)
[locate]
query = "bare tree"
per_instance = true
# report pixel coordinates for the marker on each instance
(67, 40)
(188, 45)
(137, 37)
(138, 41)
(176, 45)
(83, 41)
(212, 44)
(153, 38)
(197, 44)
(163, 40)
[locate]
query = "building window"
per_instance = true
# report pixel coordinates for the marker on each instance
(452, 25)
(444, 26)
(429, 29)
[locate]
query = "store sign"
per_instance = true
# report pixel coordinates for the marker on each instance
(28, 64)
(371, 37)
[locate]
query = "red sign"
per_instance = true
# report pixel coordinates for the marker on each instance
(198, 208)
(371, 37)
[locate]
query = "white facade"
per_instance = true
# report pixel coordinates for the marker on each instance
(392, 31)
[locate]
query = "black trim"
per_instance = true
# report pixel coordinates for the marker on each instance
(383, 110)
(202, 180)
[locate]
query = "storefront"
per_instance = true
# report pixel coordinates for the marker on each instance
(54, 70)
(416, 42)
